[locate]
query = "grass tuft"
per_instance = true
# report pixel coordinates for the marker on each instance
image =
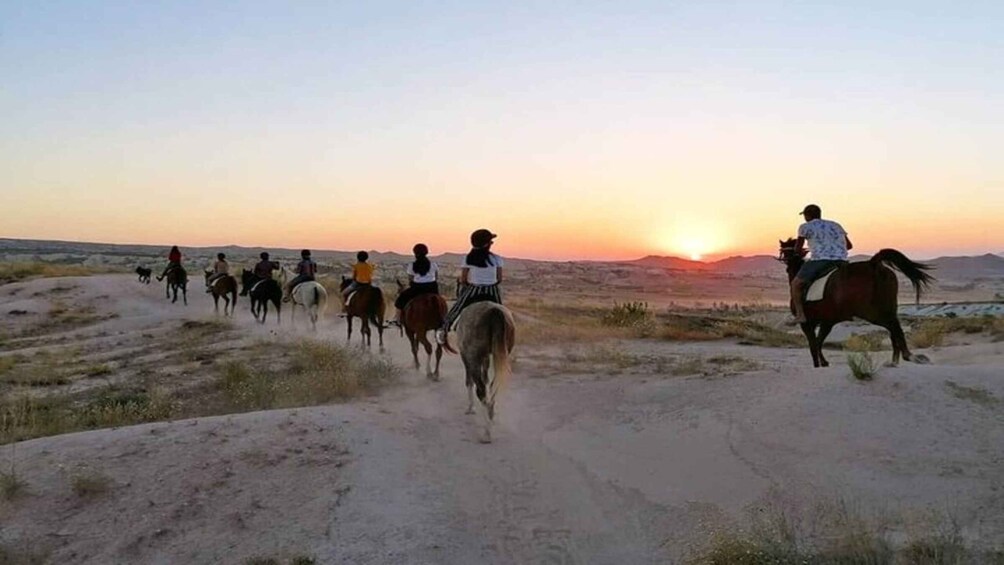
(11, 486)
(862, 365)
(88, 483)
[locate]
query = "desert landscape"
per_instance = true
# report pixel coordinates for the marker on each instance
(660, 411)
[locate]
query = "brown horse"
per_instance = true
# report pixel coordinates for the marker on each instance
(226, 287)
(368, 305)
(866, 290)
(423, 314)
(177, 278)
(486, 334)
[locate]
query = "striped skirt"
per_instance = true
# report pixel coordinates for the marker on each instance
(471, 294)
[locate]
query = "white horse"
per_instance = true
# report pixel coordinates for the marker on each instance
(312, 296)
(486, 334)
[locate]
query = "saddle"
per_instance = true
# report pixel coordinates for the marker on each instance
(817, 289)
(257, 284)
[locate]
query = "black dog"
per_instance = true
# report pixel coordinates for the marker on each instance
(144, 274)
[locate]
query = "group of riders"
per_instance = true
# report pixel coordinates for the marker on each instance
(481, 270)
(480, 276)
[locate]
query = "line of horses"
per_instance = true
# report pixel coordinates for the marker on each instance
(486, 331)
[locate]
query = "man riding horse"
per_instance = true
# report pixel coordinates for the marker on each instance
(828, 247)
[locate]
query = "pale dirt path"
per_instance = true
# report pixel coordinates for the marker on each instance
(624, 469)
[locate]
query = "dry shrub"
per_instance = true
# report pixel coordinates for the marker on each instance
(16, 271)
(680, 327)
(318, 372)
(10, 486)
(88, 483)
(834, 533)
(628, 314)
(862, 365)
(873, 341)
(928, 333)
(931, 332)
(7, 363)
(24, 417)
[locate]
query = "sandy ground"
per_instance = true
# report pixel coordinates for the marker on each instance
(587, 467)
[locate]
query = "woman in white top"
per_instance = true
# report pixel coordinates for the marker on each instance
(422, 279)
(480, 275)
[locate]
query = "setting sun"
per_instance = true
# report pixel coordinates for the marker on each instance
(693, 239)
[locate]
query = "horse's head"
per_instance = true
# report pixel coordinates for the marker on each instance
(790, 255)
(207, 274)
(345, 282)
(400, 285)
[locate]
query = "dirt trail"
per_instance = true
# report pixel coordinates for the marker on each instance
(584, 468)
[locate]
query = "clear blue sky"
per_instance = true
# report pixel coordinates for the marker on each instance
(691, 127)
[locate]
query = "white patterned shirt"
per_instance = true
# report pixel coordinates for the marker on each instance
(827, 240)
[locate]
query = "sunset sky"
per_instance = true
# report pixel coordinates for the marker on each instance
(572, 129)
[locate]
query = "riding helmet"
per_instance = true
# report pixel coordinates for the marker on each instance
(482, 238)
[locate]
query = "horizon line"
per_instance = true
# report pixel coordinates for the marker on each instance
(724, 257)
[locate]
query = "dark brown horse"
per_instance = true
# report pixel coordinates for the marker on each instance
(177, 278)
(261, 292)
(225, 287)
(423, 314)
(866, 290)
(368, 305)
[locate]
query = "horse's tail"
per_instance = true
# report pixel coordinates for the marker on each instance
(913, 271)
(376, 307)
(320, 299)
(502, 337)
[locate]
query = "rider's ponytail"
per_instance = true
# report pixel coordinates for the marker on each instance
(421, 265)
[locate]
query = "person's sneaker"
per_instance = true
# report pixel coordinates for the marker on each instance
(441, 337)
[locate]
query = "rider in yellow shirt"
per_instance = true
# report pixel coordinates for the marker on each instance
(362, 275)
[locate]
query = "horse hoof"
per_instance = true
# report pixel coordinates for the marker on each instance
(486, 438)
(469, 411)
(920, 359)
(890, 364)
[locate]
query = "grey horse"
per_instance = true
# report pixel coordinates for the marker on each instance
(486, 334)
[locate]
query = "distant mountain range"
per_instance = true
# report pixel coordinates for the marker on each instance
(964, 267)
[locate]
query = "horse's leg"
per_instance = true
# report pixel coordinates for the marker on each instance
(439, 355)
(824, 330)
(428, 357)
(488, 406)
(898, 338)
(809, 329)
(469, 381)
(184, 293)
(413, 341)
(278, 310)
(216, 304)
(364, 330)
